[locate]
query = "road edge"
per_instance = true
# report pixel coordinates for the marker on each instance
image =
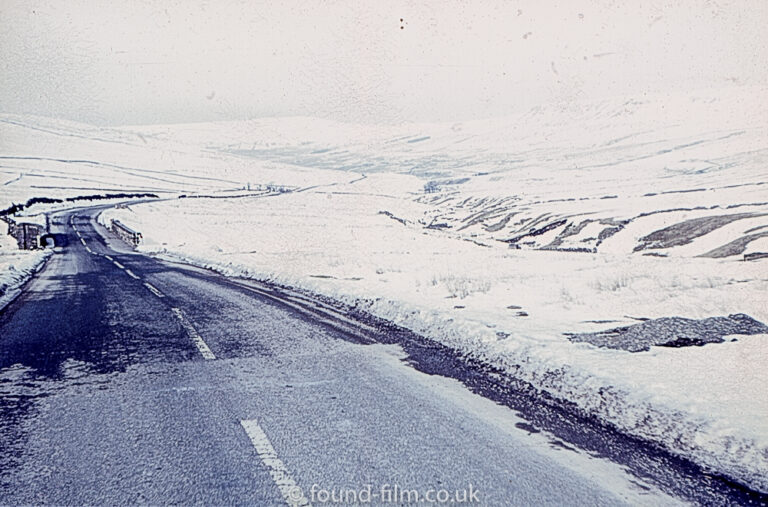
(14, 290)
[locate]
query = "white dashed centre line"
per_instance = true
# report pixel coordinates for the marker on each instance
(108, 257)
(82, 241)
(118, 265)
(192, 332)
(88, 249)
(154, 290)
(291, 491)
(130, 273)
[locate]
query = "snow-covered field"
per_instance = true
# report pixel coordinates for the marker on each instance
(498, 237)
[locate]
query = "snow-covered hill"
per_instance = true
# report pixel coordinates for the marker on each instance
(662, 175)
(42, 157)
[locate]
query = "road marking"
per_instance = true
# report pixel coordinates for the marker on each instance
(118, 265)
(154, 290)
(291, 491)
(130, 273)
(88, 249)
(192, 332)
(108, 257)
(82, 241)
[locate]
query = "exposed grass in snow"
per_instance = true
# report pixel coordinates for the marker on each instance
(461, 286)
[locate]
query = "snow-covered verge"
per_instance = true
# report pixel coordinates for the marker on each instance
(16, 267)
(505, 306)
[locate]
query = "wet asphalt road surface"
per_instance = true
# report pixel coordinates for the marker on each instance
(125, 379)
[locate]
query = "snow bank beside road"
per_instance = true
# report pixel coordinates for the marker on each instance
(508, 307)
(16, 267)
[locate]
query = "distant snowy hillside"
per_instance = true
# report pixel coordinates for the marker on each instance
(42, 157)
(557, 137)
(612, 176)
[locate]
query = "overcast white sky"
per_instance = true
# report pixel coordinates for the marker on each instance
(153, 61)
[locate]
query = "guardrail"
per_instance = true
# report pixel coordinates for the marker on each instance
(125, 233)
